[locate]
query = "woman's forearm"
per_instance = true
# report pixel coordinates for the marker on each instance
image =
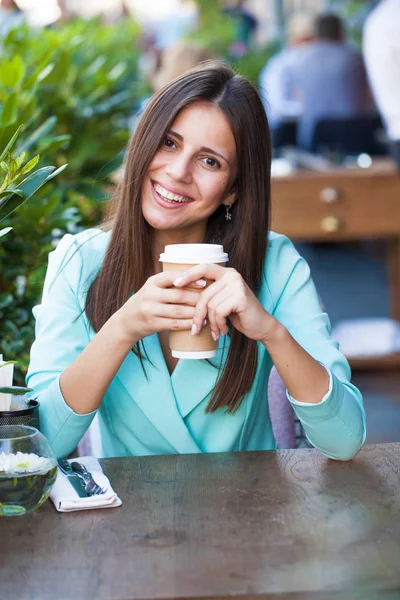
(305, 378)
(85, 382)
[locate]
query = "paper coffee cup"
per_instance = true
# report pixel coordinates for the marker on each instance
(181, 257)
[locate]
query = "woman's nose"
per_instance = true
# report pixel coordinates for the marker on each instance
(179, 168)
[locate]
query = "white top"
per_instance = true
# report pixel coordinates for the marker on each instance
(381, 47)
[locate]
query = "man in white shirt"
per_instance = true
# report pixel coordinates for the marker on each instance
(381, 47)
(275, 80)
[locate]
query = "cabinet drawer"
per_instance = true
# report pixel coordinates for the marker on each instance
(327, 207)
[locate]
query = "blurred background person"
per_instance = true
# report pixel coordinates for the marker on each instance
(64, 14)
(177, 59)
(246, 25)
(330, 79)
(277, 91)
(10, 16)
(381, 47)
(175, 24)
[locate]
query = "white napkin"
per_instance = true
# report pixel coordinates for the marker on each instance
(66, 499)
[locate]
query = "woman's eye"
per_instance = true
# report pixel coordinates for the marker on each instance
(168, 142)
(211, 162)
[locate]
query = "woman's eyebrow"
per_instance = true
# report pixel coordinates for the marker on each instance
(203, 148)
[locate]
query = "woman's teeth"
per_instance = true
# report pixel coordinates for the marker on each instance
(169, 196)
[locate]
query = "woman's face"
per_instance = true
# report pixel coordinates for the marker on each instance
(191, 174)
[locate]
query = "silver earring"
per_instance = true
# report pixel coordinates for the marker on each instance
(228, 214)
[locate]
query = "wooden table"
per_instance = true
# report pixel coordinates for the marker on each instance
(285, 525)
(345, 204)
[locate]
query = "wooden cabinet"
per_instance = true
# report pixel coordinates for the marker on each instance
(337, 205)
(344, 204)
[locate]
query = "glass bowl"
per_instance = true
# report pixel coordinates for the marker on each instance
(28, 469)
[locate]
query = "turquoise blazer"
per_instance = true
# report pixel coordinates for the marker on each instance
(163, 413)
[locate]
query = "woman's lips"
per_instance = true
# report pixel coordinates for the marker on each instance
(171, 205)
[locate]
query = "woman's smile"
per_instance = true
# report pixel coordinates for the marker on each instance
(168, 197)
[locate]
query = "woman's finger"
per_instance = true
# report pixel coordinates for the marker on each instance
(219, 308)
(166, 279)
(202, 305)
(175, 311)
(200, 272)
(164, 324)
(202, 308)
(177, 296)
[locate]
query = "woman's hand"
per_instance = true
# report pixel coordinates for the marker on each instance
(159, 306)
(227, 297)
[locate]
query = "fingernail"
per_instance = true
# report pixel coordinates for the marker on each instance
(201, 282)
(194, 329)
(178, 281)
(205, 322)
(214, 336)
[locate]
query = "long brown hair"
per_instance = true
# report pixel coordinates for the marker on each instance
(127, 263)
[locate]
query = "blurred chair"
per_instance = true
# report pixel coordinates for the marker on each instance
(85, 445)
(284, 135)
(286, 427)
(353, 135)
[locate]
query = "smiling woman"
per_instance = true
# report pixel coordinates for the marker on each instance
(197, 171)
(186, 180)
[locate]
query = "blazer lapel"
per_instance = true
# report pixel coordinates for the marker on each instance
(155, 395)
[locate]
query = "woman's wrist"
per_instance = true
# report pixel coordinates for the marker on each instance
(120, 332)
(276, 333)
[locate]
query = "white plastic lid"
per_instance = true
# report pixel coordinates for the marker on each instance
(194, 254)
(194, 355)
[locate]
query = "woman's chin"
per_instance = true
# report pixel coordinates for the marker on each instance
(158, 221)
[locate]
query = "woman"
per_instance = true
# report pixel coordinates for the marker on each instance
(197, 170)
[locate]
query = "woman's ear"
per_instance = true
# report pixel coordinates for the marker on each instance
(231, 197)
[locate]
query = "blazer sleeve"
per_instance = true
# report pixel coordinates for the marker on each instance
(335, 426)
(62, 332)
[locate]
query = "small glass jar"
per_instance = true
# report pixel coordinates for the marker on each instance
(28, 469)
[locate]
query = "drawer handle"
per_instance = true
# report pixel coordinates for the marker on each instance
(331, 224)
(329, 195)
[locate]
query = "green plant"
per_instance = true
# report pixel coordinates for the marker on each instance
(72, 89)
(14, 190)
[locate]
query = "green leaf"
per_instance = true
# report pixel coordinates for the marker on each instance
(11, 328)
(9, 362)
(13, 167)
(28, 187)
(10, 144)
(15, 390)
(4, 231)
(20, 159)
(51, 144)
(45, 72)
(10, 192)
(12, 72)
(56, 172)
(10, 109)
(117, 71)
(44, 129)
(29, 165)
(6, 300)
